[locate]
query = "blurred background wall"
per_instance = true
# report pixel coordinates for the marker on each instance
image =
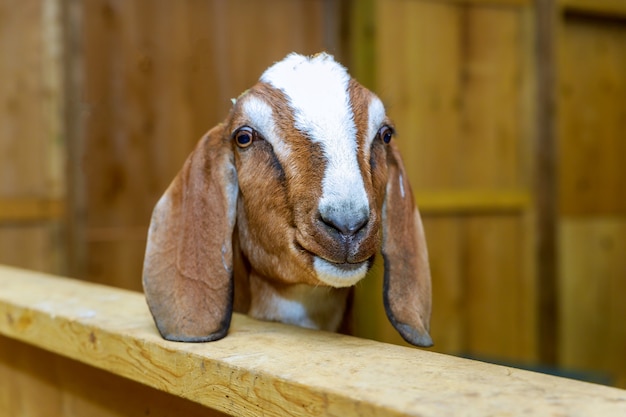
(511, 116)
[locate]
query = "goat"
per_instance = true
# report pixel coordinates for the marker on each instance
(282, 208)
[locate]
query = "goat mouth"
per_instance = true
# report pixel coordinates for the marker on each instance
(339, 274)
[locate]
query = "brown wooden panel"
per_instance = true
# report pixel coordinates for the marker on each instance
(31, 142)
(156, 77)
(499, 289)
(418, 58)
(32, 246)
(593, 284)
(455, 79)
(30, 136)
(593, 117)
(446, 248)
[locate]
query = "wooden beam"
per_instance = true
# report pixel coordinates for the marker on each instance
(545, 179)
(608, 8)
(18, 210)
(472, 201)
(487, 2)
(274, 369)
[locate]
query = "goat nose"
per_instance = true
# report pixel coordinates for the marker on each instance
(347, 223)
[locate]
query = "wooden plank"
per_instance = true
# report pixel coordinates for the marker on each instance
(499, 290)
(31, 147)
(32, 245)
(592, 114)
(260, 368)
(545, 179)
(593, 267)
(419, 82)
(447, 251)
(38, 383)
(494, 83)
(487, 2)
(607, 8)
(472, 201)
(32, 173)
(462, 107)
(30, 210)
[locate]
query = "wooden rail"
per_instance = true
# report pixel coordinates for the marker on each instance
(29, 210)
(266, 368)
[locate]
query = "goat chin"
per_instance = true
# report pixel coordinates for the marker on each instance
(282, 208)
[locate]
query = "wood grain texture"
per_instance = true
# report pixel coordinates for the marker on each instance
(276, 370)
(154, 77)
(592, 307)
(32, 180)
(592, 102)
(456, 78)
(39, 383)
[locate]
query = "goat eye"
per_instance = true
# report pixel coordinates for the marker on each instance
(385, 133)
(244, 136)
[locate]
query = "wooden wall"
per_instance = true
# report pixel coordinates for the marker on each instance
(157, 76)
(104, 99)
(32, 180)
(457, 79)
(592, 209)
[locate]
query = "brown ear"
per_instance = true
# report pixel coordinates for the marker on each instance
(407, 288)
(188, 267)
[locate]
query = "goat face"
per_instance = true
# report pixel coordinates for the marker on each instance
(300, 187)
(311, 170)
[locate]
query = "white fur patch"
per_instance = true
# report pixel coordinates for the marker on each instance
(292, 312)
(401, 181)
(317, 90)
(305, 306)
(376, 116)
(334, 276)
(261, 118)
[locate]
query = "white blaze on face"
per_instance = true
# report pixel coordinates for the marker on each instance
(261, 118)
(317, 91)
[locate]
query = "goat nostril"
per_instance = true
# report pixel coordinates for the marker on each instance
(347, 224)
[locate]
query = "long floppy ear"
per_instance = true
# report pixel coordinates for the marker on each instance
(188, 267)
(407, 287)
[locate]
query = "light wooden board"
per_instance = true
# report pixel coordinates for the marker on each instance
(38, 383)
(277, 370)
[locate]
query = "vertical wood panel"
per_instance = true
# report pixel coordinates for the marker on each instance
(500, 291)
(592, 99)
(593, 117)
(157, 76)
(456, 79)
(418, 60)
(593, 271)
(31, 132)
(446, 245)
